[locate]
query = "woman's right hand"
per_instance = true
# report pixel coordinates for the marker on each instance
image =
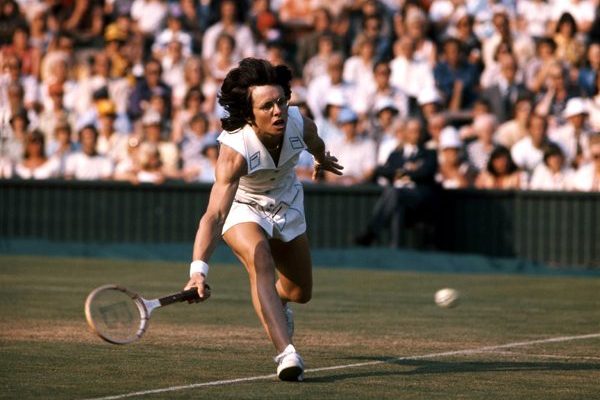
(199, 281)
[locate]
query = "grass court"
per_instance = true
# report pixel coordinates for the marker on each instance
(367, 334)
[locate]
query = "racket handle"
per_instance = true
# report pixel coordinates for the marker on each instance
(185, 295)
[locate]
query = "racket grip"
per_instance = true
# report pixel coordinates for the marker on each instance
(185, 295)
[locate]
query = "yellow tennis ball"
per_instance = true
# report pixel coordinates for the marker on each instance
(447, 297)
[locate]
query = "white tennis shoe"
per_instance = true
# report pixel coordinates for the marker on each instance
(289, 319)
(290, 366)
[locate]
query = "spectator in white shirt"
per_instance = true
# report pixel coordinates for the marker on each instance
(553, 173)
(587, 177)
(173, 32)
(228, 23)
(574, 136)
(318, 89)
(408, 73)
(87, 164)
(528, 152)
(479, 151)
(35, 164)
(355, 152)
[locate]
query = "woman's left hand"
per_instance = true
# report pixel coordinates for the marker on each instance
(329, 163)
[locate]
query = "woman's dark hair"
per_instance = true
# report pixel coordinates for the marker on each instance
(499, 152)
(567, 18)
(235, 96)
(35, 136)
(552, 149)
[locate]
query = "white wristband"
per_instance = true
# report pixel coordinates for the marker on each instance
(199, 266)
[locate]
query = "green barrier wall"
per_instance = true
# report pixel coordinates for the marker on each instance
(548, 227)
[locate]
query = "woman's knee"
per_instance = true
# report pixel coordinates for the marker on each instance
(300, 294)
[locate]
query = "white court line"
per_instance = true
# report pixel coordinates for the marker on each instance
(519, 354)
(356, 365)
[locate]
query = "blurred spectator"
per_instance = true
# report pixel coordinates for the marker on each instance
(56, 112)
(204, 169)
(390, 142)
(111, 144)
(535, 16)
(408, 73)
(583, 12)
(173, 33)
(515, 129)
(479, 150)
(148, 16)
(318, 89)
(590, 69)
(317, 64)
(35, 164)
(501, 172)
(145, 87)
(454, 171)
(151, 167)
(196, 136)
(228, 23)
(310, 43)
(587, 177)
(553, 173)
(381, 91)
(173, 64)
(435, 124)
(594, 106)
(328, 126)
(358, 69)
(29, 57)
(537, 69)
(416, 27)
(128, 168)
(13, 139)
(569, 47)
(503, 95)
(62, 146)
(12, 74)
(87, 164)
(528, 152)
(192, 105)
(223, 59)
(384, 120)
(169, 154)
(455, 77)
(10, 19)
(355, 152)
(574, 136)
(559, 90)
(410, 171)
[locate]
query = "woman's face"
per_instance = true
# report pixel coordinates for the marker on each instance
(270, 109)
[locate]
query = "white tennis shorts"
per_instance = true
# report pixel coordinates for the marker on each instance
(279, 220)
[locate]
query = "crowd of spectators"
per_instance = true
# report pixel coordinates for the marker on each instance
(504, 93)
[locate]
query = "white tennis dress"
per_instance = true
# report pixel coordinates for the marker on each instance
(269, 195)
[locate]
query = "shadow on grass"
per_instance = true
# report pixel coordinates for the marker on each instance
(426, 367)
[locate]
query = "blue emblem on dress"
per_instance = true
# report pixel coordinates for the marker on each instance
(254, 160)
(296, 143)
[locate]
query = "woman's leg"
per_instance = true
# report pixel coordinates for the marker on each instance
(250, 244)
(293, 262)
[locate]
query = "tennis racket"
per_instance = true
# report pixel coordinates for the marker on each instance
(120, 316)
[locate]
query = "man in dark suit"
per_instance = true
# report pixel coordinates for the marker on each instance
(503, 95)
(410, 171)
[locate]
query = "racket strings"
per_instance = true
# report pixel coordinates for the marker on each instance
(115, 315)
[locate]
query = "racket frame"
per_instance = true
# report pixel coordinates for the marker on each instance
(144, 306)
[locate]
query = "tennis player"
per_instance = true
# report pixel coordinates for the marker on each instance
(257, 202)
